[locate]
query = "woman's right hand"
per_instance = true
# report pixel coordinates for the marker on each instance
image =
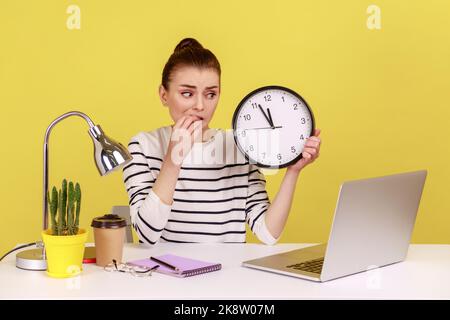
(186, 131)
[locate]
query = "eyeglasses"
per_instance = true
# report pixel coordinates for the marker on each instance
(137, 271)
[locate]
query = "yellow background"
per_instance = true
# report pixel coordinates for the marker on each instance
(381, 97)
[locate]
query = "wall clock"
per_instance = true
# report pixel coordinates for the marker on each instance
(271, 125)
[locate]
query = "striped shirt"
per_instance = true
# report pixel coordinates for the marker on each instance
(213, 199)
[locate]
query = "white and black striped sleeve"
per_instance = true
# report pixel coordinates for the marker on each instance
(148, 213)
(257, 205)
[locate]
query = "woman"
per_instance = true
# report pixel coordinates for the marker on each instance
(173, 199)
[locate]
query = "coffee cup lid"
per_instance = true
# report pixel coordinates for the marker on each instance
(109, 221)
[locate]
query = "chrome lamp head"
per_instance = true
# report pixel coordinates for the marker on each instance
(109, 154)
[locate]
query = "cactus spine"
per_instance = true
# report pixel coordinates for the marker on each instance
(53, 205)
(69, 209)
(78, 201)
(64, 201)
(60, 216)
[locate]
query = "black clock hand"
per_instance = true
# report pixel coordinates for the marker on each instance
(264, 128)
(270, 117)
(265, 116)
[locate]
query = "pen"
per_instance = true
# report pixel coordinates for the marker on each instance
(165, 264)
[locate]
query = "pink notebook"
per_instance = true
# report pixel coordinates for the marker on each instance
(188, 267)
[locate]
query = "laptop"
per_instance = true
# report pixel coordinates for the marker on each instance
(373, 222)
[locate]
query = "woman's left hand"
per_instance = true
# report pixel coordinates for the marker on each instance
(310, 152)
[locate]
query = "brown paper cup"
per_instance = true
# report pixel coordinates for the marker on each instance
(108, 245)
(109, 235)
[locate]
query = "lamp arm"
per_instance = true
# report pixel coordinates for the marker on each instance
(46, 139)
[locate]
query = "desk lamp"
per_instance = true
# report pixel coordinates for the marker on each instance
(108, 155)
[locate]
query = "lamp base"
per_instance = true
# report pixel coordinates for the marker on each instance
(31, 260)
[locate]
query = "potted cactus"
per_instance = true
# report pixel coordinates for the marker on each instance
(64, 241)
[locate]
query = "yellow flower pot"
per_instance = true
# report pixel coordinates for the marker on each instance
(64, 253)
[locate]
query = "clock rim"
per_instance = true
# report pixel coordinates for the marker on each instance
(242, 102)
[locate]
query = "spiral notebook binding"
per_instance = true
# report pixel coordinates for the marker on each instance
(202, 270)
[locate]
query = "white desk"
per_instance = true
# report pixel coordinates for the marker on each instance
(424, 275)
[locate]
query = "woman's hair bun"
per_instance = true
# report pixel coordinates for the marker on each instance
(188, 42)
(189, 52)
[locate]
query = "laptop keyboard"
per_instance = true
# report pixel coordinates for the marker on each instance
(313, 266)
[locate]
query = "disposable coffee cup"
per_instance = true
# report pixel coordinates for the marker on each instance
(109, 236)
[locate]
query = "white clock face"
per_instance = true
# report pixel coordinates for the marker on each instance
(271, 125)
